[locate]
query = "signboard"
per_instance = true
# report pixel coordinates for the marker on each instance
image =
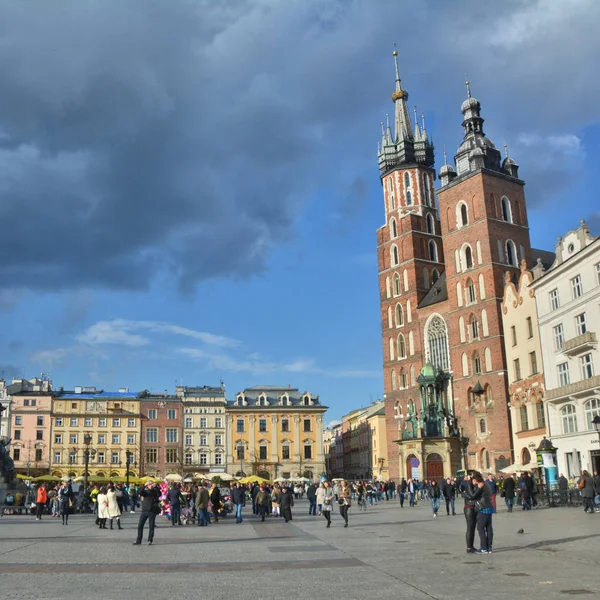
(415, 473)
(415, 462)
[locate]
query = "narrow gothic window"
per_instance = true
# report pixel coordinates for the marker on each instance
(399, 315)
(432, 251)
(394, 228)
(426, 189)
(511, 253)
(476, 364)
(401, 347)
(395, 260)
(408, 198)
(468, 257)
(397, 289)
(394, 385)
(470, 290)
(506, 212)
(464, 217)
(406, 180)
(430, 224)
(437, 342)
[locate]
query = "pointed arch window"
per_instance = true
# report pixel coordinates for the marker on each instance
(433, 254)
(464, 214)
(430, 224)
(437, 342)
(471, 296)
(401, 347)
(511, 253)
(411, 408)
(395, 257)
(394, 228)
(403, 379)
(397, 287)
(476, 364)
(408, 198)
(406, 180)
(468, 256)
(434, 276)
(506, 210)
(426, 189)
(399, 315)
(474, 328)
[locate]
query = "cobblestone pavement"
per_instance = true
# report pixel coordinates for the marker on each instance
(399, 552)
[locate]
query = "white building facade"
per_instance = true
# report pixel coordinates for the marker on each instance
(568, 306)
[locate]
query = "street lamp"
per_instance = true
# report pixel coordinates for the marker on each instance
(87, 440)
(596, 424)
(128, 455)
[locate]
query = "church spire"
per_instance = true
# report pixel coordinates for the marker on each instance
(403, 124)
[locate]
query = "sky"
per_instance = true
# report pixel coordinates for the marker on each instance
(189, 190)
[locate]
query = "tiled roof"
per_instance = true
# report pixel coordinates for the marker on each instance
(273, 395)
(437, 293)
(71, 395)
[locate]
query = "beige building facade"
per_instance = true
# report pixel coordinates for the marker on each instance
(525, 369)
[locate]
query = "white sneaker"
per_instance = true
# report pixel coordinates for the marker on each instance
(434, 515)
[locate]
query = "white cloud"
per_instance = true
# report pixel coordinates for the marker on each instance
(125, 332)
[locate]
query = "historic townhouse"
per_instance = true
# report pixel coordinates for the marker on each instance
(525, 367)
(441, 277)
(568, 305)
(162, 434)
(204, 444)
(31, 427)
(106, 423)
(275, 432)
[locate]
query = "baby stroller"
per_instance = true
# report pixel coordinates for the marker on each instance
(187, 516)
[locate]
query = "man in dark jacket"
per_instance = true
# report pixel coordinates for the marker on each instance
(508, 489)
(563, 487)
(215, 499)
(587, 489)
(311, 494)
(201, 501)
(287, 501)
(253, 493)
(174, 498)
(449, 491)
(150, 508)
(238, 497)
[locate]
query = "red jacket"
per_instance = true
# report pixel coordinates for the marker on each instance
(42, 496)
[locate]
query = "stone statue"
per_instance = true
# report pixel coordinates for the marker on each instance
(7, 466)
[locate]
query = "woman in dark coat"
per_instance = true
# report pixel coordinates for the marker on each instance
(287, 501)
(586, 487)
(508, 490)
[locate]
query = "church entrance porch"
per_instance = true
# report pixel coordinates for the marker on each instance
(435, 467)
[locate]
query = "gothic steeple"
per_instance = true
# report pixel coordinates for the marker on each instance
(408, 146)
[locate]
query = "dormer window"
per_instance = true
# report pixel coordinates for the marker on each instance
(306, 400)
(285, 400)
(262, 400)
(240, 400)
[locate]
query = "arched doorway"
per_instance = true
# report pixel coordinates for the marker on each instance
(413, 467)
(435, 466)
(56, 473)
(264, 474)
(525, 457)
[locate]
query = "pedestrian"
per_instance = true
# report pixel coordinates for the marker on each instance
(64, 498)
(114, 512)
(412, 492)
(586, 486)
(238, 497)
(287, 501)
(149, 509)
(253, 493)
(450, 495)
(491, 481)
(563, 487)
(345, 501)
(485, 509)
(467, 491)
(434, 495)
(174, 498)
(311, 494)
(215, 500)
(275, 501)
(40, 502)
(328, 498)
(201, 501)
(133, 497)
(320, 494)
(262, 503)
(402, 490)
(102, 508)
(508, 492)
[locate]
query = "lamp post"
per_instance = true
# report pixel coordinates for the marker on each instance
(128, 455)
(87, 440)
(596, 424)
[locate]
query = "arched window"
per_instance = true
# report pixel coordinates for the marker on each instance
(506, 211)
(395, 259)
(470, 294)
(408, 313)
(411, 343)
(485, 459)
(511, 253)
(433, 255)
(430, 224)
(487, 355)
(392, 349)
(394, 382)
(481, 286)
(461, 329)
(392, 202)
(591, 409)
(474, 328)
(437, 343)
(465, 365)
(411, 408)
(569, 419)
(390, 322)
(468, 258)
(482, 426)
(406, 180)
(434, 276)
(394, 228)
(399, 315)
(525, 457)
(459, 296)
(426, 189)
(408, 198)
(401, 346)
(397, 288)
(484, 323)
(476, 364)
(464, 214)
(403, 379)
(405, 276)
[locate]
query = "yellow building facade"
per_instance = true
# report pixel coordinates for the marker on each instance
(275, 432)
(113, 421)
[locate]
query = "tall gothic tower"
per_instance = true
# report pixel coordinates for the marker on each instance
(485, 233)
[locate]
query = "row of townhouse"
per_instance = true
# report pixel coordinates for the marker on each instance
(271, 431)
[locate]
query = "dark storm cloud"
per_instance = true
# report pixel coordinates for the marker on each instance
(138, 139)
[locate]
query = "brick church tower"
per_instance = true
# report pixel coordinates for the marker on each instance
(441, 276)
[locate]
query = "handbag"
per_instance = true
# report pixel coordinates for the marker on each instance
(502, 494)
(341, 501)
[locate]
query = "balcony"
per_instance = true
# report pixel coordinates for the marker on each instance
(573, 389)
(582, 343)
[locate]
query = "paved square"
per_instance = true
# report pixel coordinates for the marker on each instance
(401, 553)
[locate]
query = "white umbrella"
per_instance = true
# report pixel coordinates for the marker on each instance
(281, 480)
(576, 465)
(223, 476)
(173, 477)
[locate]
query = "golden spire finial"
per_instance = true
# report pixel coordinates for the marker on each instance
(468, 84)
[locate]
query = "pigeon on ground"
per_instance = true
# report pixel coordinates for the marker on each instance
(521, 531)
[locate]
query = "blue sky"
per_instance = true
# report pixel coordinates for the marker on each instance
(201, 207)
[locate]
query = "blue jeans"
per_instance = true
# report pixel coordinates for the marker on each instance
(238, 513)
(411, 496)
(435, 505)
(509, 503)
(203, 516)
(312, 507)
(450, 504)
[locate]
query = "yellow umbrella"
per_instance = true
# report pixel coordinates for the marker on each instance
(24, 477)
(254, 479)
(46, 478)
(149, 478)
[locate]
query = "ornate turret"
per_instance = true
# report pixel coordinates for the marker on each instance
(476, 151)
(509, 166)
(447, 172)
(407, 145)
